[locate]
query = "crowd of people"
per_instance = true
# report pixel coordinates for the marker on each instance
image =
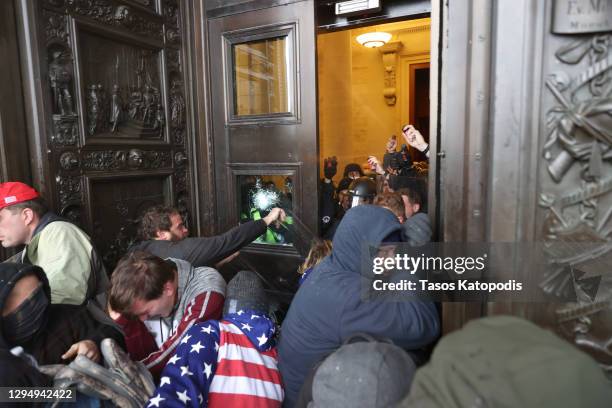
(192, 339)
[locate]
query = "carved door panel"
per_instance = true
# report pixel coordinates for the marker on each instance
(113, 103)
(264, 127)
(575, 174)
(540, 143)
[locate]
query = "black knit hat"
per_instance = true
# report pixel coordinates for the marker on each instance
(352, 167)
(245, 292)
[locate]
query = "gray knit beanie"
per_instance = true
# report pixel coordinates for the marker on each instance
(245, 292)
(416, 230)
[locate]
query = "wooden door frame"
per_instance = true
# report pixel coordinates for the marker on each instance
(413, 68)
(407, 64)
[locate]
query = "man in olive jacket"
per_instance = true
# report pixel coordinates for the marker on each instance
(59, 247)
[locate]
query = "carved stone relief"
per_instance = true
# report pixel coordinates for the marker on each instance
(105, 114)
(55, 27)
(389, 56)
(60, 78)
(576, 188)
(178, 136)
(171, 13)
(173, 59)
(180, 180)
(100, 10)
(121, 16)
(69, 189)
(69, 161)
(131, 99)
(579, 136)
(123, 96)
(145, 107)
(65, 130)
(177, 105)
(60, 75)
(172, 19)
(133, 159)
(588, 325)
(125, 17)
(180, 159)
(182, 204)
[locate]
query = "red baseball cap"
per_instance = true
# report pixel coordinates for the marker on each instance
(14, 192)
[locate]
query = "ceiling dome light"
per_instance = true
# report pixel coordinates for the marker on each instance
(373, 40)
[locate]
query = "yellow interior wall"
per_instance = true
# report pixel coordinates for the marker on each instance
(261, 84)
(354, 119)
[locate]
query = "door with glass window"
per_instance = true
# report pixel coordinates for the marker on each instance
(262, 65)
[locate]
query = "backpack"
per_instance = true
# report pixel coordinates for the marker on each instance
(124, 382)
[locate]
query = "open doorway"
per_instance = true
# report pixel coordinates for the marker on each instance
(366, 95)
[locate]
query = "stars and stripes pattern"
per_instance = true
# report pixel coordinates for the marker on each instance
(228, 363)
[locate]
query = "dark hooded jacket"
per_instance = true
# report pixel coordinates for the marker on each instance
(346, 181)
(327, 308)
(63, 325)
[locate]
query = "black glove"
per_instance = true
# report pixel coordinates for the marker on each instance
(330, 166)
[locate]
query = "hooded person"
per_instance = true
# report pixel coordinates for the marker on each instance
(361, 190)
(230, 362)
(51, 333)
(327, 309)
(352, 171)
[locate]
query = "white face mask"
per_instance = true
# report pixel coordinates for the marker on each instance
(355, 201)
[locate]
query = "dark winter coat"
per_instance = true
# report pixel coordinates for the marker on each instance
(328, 308)
(64, 325)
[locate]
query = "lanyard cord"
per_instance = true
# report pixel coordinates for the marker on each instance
(170, 330)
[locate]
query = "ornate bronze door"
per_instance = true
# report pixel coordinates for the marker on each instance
(110, 125)
(262, 63)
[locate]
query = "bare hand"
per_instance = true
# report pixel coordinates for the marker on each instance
(391, 144)
(276, 214)
(414, 138)
(375, 164)
(85, 348)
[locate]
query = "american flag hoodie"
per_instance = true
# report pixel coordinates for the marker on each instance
(227, 363)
